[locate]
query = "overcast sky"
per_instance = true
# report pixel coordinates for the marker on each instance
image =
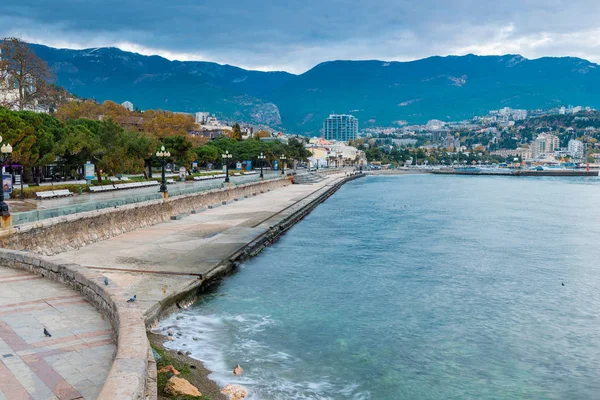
(295, 35)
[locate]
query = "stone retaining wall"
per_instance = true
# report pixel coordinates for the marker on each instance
(127, 376)
(56, 235)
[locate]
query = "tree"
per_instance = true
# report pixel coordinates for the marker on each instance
(26, 77)
(162, 124)
(261, 134)
(180, 149)
(207, 154)
(237, 132)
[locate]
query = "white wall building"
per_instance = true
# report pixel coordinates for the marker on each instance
(543, 145)
(435, 124)
(202, 117)
(576, 149)
(128, 105)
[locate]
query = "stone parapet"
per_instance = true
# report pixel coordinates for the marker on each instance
(70, 232)
(127, 376)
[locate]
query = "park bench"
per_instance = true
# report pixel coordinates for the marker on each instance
(171, 181)
(53, 193)
(131, 185)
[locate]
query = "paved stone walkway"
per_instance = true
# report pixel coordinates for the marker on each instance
(73, 363)
(163, 259)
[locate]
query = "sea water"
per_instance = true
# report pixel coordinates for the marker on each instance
(416, 287)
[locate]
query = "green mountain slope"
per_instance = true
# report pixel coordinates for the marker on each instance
(377, 92)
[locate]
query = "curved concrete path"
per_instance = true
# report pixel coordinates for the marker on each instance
(73, 363)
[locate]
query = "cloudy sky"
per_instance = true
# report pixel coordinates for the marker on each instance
(295, 35)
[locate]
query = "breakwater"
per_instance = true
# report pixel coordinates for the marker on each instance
(515, 172)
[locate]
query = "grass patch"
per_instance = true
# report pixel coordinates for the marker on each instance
(184, 372)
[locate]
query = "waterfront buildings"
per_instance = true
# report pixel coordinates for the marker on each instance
(434, 125)
(543, 145)
(521, 152)
(340, 127)
(331, 153)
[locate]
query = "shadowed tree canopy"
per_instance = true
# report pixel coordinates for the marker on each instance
(24, 77)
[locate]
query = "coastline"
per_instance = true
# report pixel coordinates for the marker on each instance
(213, 277)
(199, 376)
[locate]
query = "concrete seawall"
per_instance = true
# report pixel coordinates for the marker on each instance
(279, 224)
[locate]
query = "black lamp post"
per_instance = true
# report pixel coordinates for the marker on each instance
(163, 155)
(5, 151)
(261, 157)
(282, 158)
(226, 157)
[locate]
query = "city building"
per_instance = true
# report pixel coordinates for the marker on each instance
(128, 105)
(202, 117)
(575, 149)
(340, 127)
(543, 145)
(434, 125)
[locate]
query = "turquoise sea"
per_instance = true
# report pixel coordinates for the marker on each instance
(416, 287)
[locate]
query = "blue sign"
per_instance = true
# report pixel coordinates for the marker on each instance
(275, 165)
(249, 165)
(7, 185)
(89, 172)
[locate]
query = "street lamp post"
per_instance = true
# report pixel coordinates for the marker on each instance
(261, 157)
(282, 158)
(163, 155)
(5, 151)
(226, 157)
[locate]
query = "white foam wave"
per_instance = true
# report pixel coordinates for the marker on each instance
(216, 340)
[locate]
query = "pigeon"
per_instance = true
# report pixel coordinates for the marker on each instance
(131, 300)
(47, 333)
(106, 281)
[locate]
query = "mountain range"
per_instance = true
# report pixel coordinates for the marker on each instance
(378, 93)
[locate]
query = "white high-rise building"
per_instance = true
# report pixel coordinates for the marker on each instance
(576, 149)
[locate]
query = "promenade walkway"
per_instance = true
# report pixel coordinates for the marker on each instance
(163, 259)
(73, 363)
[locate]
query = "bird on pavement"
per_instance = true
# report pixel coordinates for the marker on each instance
(47, 333)
(106, 281)
(131, 300)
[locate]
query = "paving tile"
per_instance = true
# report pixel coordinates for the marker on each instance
(74, 362)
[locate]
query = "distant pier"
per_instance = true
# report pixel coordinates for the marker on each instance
(515, 172)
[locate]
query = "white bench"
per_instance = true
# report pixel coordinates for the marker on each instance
(53, 193)
(207, 177)
(171, 181)
(130, 185)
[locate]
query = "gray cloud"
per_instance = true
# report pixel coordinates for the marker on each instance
(295, 35)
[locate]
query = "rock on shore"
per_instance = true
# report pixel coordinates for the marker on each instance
(180, 387)
(235, 392)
